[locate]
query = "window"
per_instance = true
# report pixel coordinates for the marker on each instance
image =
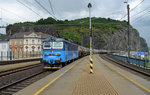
(47, 45)
(33, 48)
(3, 46)
(26, 41)
(21, 49)
(38, 41)
(15, 49)
(10, 42)
(21, 42)
(26, 48)
(10, 49)
(32, 41)
(38, 48)
(15, 42)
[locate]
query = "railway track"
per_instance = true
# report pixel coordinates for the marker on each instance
(14, 80)
(145, 72)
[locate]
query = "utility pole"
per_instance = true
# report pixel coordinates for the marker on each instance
(90, 32)
(128, 8)
(82, 39)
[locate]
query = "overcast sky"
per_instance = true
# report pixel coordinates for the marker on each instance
(12, 11)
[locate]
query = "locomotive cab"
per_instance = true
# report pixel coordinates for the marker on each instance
(53, 52)
(58, 52)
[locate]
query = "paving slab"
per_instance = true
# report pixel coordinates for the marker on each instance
(78, 81)
(63, 86)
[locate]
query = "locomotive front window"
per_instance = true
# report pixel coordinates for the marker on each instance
(47, 45)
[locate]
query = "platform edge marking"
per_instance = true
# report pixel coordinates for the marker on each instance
(39, 91)
(134, 82)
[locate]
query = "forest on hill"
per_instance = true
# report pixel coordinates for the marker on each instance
(105, 31)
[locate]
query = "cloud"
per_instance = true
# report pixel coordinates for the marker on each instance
(73, 9)
(15, 12)
(2, 31)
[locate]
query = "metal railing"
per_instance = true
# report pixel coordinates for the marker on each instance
(139, 62)
(4, 56)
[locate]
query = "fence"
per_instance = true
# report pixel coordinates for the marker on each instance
(19, 55)
(138, 62)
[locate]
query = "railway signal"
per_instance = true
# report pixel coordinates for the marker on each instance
(90, 32)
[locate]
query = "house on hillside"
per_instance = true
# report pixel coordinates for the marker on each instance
(27, 41)
(4, 48)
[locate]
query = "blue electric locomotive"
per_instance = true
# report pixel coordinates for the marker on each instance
(56, 52)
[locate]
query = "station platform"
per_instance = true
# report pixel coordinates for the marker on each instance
(75, 79)
(19, 65)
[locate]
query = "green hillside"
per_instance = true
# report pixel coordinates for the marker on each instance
(75, 29)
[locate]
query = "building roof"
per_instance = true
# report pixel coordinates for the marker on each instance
(6, 38)
(20, 35)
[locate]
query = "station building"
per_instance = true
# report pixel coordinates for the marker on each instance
(27, 41)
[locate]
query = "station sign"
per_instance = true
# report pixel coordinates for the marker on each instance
(57, 45)
(141, 53)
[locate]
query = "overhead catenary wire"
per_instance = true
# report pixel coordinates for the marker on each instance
(114, 13)
(50, 3)
(136, 6)
(14, 14)
(139, 18)
(5, 22)
(133, 9)
(140, 12)
(45, 9)
(29, 8)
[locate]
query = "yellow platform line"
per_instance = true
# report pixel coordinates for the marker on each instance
(134, 82)
(52, 67)
(39, 91)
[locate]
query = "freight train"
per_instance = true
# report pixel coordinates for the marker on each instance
(58, 51)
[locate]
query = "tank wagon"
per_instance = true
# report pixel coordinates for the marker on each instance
(58, 51)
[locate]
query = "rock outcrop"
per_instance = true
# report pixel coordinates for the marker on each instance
(112, 41)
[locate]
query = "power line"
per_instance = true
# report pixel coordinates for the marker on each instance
(137, 5)
(11, 19)
(139, 18)
(44, 8)
(133, 9)
(117, 12)
(5, 22)
(29, 8)
(140, 12)
(14, 13)
(51, 7)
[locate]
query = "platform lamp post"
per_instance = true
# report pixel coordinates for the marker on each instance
(90, 33)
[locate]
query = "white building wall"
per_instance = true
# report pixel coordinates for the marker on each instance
(31, 41)
(4, 49)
